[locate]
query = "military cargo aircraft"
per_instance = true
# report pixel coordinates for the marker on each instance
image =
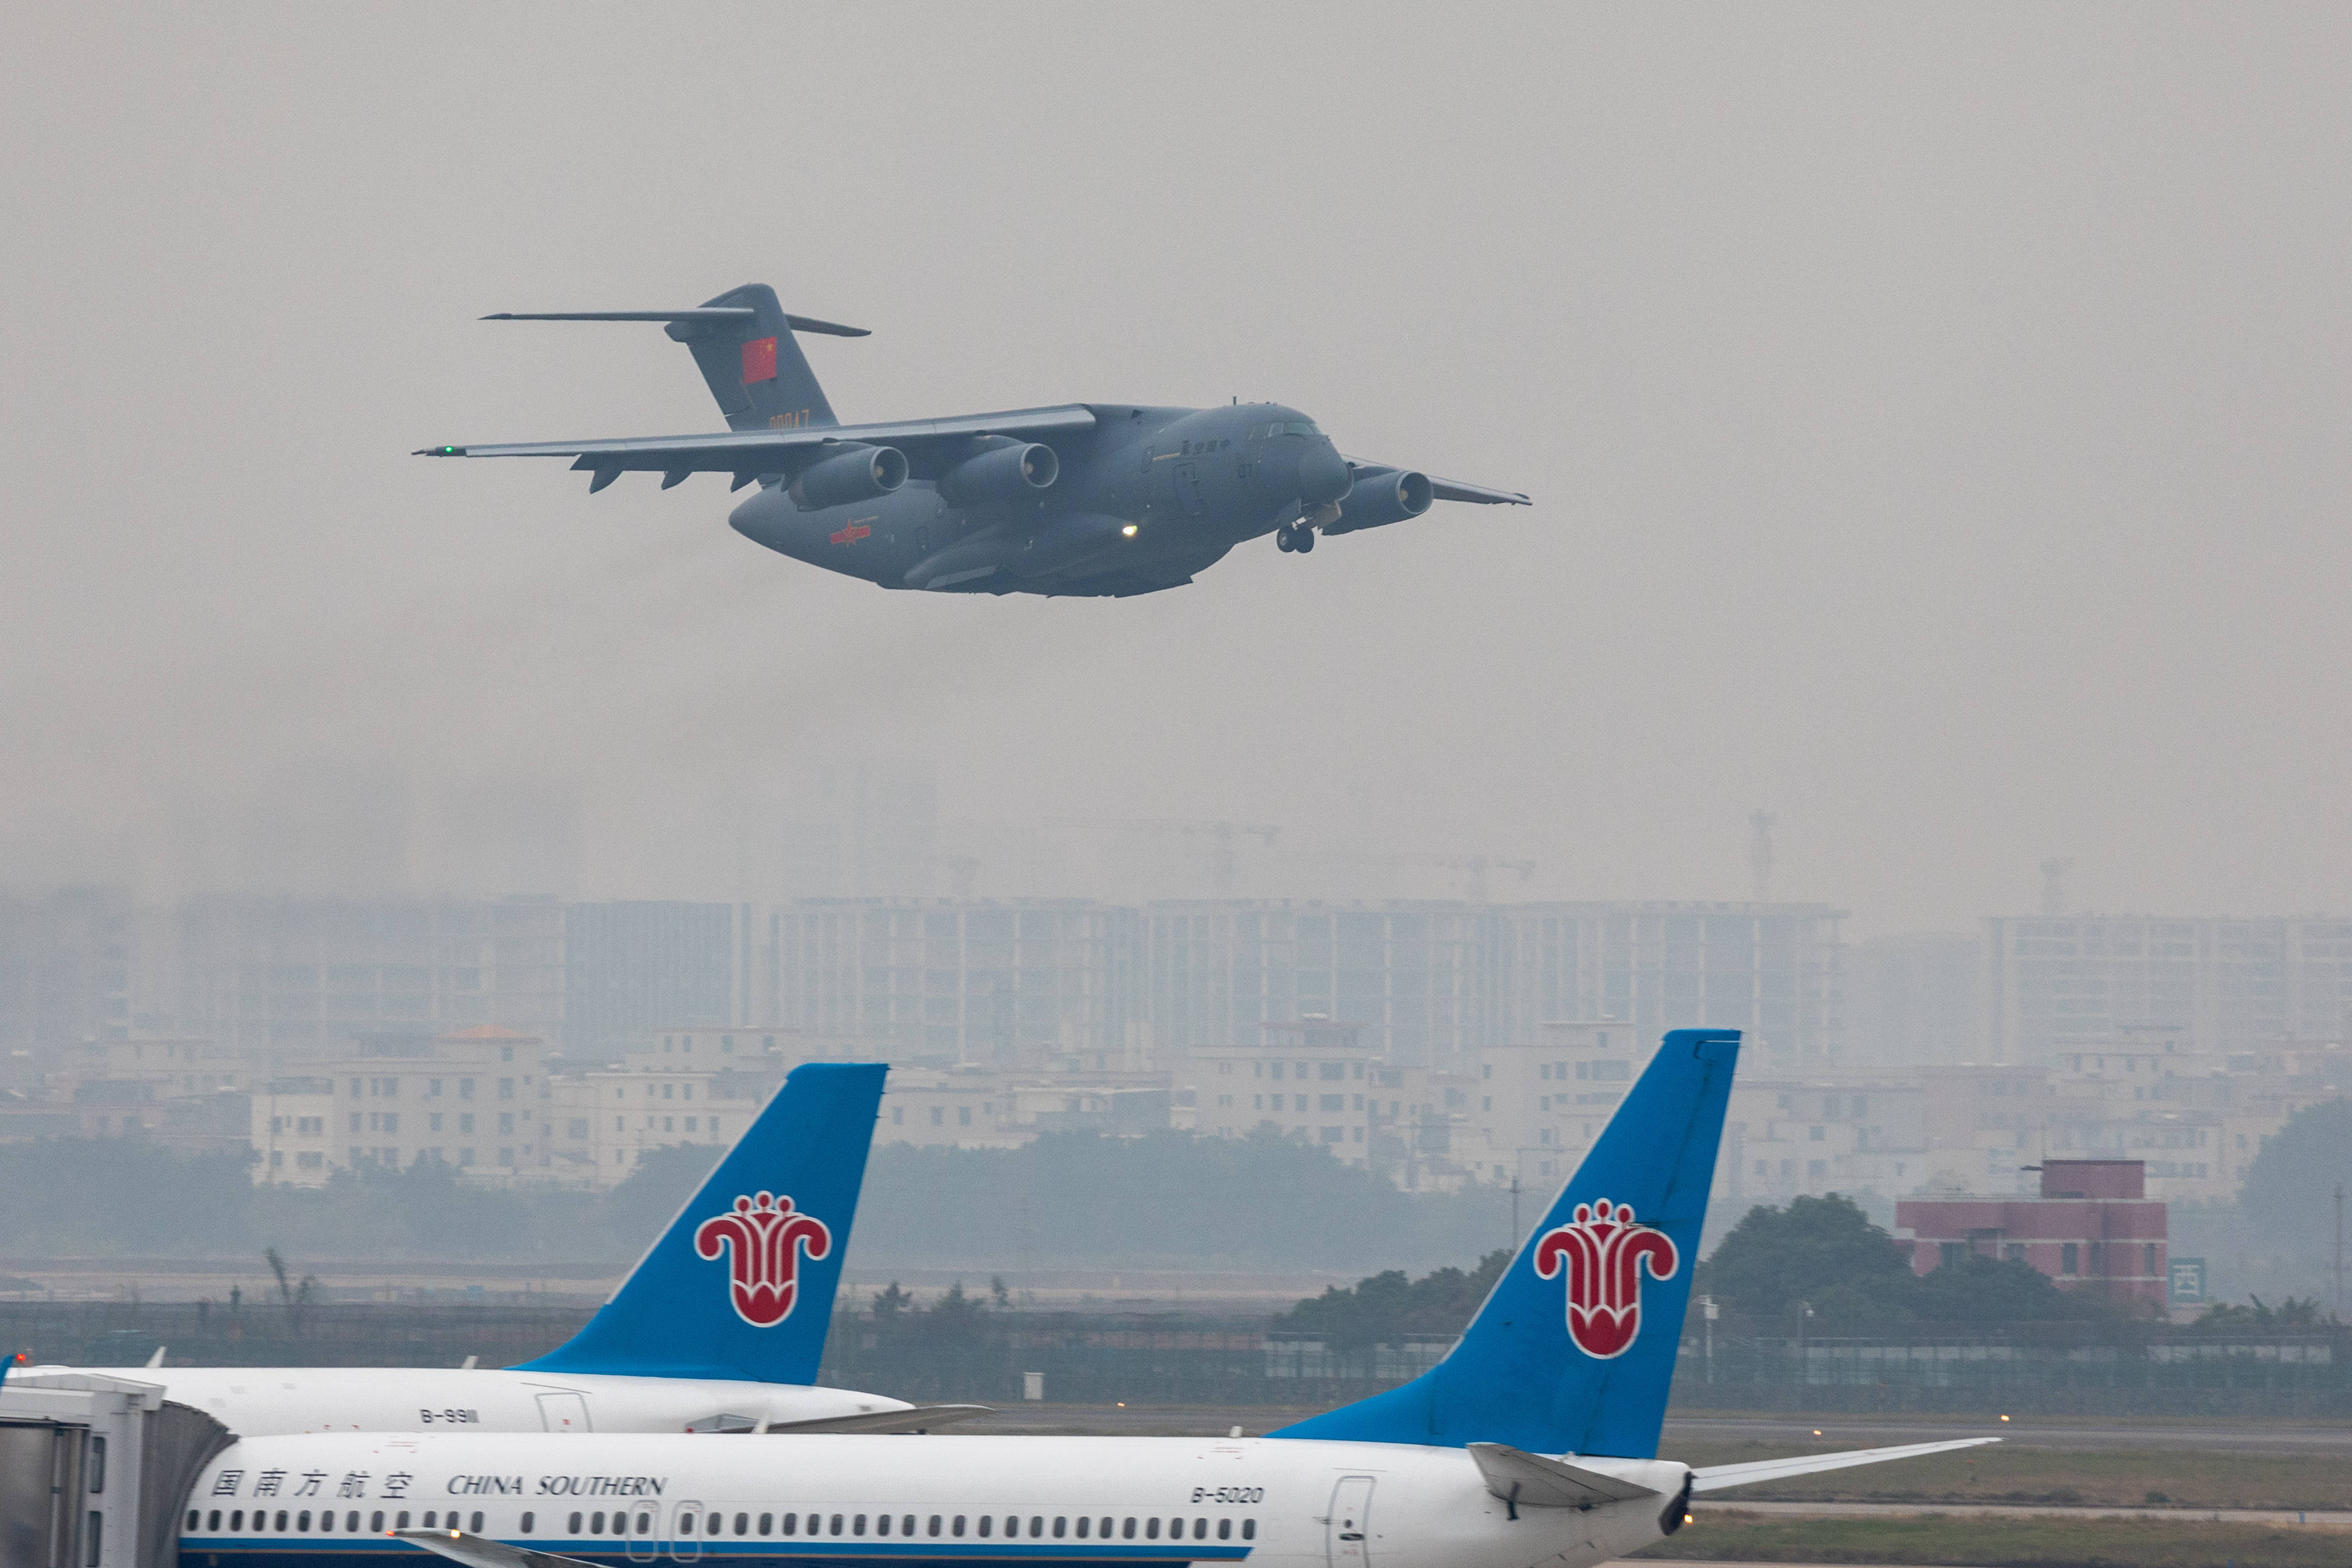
(1094, 500)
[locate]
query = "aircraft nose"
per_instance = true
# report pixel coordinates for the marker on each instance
(1323, 474)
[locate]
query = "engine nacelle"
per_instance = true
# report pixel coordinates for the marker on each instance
(1381, 495)
(860, 474)
(1013, 472)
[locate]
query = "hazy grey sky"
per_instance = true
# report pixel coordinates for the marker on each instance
(1937, 418)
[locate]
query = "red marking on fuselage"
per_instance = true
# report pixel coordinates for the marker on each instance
(851, 535)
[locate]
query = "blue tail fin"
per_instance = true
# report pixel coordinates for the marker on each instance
(740, 1285)
(1574, 1351)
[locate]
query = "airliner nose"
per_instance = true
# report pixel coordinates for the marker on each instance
(1323, 474)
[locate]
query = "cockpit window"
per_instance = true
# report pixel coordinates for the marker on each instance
(1292, 427)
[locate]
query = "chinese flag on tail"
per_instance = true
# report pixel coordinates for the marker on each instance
(759, 360)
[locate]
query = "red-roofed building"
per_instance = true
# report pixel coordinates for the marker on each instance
(2092, 1228)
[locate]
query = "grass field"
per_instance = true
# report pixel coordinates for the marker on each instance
(2007, 1473)
(1976, 1541)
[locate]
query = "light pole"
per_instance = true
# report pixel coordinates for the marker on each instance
(1708, 1309)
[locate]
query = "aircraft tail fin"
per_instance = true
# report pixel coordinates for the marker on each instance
(741, 1283)
(1573, 1352)
(743, 342)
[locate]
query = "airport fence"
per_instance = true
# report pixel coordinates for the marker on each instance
(989, 1356)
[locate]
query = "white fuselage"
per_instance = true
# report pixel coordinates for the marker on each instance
(944, 1500)
(259, 1401)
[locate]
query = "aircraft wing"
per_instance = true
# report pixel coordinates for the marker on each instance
(1717, 1477)
(479, 1552)
(1478, 494)
(913, 1418)
(752, 452)
(1449, 489)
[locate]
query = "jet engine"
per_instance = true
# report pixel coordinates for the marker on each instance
(1012, 472)
(859, 474)
(1381, 495)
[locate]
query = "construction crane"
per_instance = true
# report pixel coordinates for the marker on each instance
(1221, 837)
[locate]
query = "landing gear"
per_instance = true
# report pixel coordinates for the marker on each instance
(1282, 539)
(1296, 538)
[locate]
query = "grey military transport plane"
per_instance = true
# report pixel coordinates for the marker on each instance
(1088, 499)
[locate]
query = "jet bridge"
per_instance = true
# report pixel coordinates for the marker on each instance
(94, 1470)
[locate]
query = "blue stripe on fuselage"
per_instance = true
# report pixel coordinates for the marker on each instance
(245, 1552)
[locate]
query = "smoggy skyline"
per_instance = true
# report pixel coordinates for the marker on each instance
(1934, 420)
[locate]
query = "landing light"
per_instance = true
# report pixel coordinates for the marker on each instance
(1129, 530)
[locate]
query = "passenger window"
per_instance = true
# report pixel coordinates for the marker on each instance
(430, 1516)
(1061, 1527)
(193, 1516)
(571, 1528)
(281, 1519)
(792, 1522)
(400, 1520)
(376, 1522)
(475, 1525)
(987, 1522)
(237, 1520)
(351, 1521)
(767, 1523)
(836, 1524)
(1150, 1530)
(1225, 1530)
(596, 1524)
(1037, 1526)
(302, 1521)
(213, 1523)
(1127, 1531)
(907, 1525)
(935, 1524)
(645, 1523)
(742, 1524)
(1082, 1528)
(526, 1522)
(1200, 1530)
(1105, 1529)
(1249, 1530)
(882, 1525)
(857, 1526)
(956, 1528)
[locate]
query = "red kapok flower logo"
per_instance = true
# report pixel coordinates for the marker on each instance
(1605, 1254)
(767, 1239)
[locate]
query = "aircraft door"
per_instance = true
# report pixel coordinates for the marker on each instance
(563, 1412)
(644, 1521)
(1347, 1535)
(1188, 486)
(685, 1532)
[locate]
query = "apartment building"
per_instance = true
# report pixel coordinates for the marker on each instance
(476, 1099)
(2215, 986)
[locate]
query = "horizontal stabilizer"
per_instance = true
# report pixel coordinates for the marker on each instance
(479, 1552)
(1716, 1478)
(913, 1418)
(1531, 1480)
(706, 315)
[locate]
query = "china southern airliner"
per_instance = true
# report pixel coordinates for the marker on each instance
(718, 1327)
(1533, 1442)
